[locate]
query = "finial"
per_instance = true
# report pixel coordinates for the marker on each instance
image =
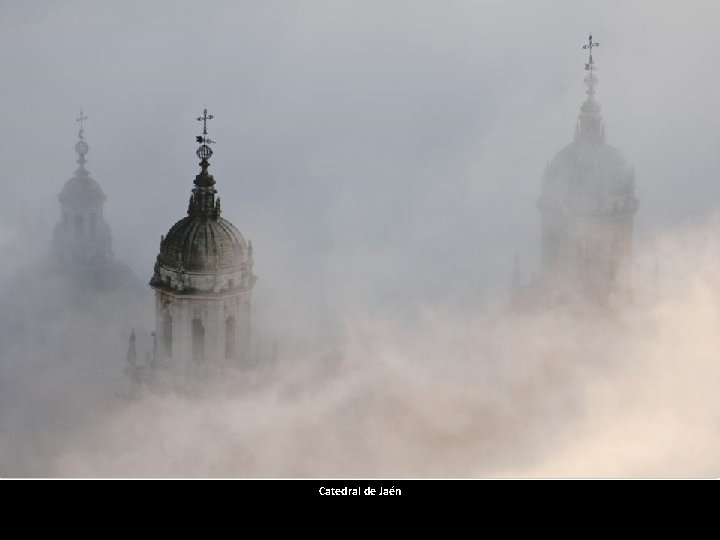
(590, 126)
(81, 119)
(81, 147)
(591, 80)
(204, 151)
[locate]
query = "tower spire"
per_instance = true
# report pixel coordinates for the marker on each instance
(204, 152)
(590, 79)
(81, 147)
(202, 202)
(590, 124)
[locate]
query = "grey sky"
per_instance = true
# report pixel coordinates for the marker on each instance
(389, 145)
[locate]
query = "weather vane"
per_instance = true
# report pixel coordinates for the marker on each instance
(204, 151)
(589, 46)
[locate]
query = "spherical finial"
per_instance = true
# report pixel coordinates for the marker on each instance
(81, 148)
(204, 152)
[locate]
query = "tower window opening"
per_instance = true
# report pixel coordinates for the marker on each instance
(168, 335)
(230, 337)
(93, 225)
(65, 220)
(198, 340)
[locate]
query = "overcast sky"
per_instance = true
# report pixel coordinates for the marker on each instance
(391, 151)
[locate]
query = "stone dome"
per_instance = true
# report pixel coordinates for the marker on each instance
(201, 244)
(81, 190)
(588, 176)
(203, 253)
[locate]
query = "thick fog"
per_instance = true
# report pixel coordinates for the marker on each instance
(385, 159)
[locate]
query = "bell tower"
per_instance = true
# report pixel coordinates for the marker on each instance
(203, 281)
(82, 237)
(587, 208)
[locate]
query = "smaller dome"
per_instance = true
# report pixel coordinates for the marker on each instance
(196, 244)
(83, 190)
(588, 176)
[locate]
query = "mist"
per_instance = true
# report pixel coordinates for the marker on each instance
(385, 159)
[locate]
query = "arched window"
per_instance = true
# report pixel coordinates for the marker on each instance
(198, 340)
(93, 225)
(230, 337)
(167, 335)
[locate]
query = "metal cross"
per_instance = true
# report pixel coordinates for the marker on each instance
(589, 46)
(204, 118)
(81, 118)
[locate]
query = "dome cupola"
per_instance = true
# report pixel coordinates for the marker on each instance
(589, 176)
(82, 237)
(203, 252)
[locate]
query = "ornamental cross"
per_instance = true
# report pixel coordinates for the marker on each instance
(589, 46)
(204, 118)
(204, 151)
(82, 118)
(204, 139)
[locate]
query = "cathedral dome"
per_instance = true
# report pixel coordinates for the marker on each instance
(81, 190)
(198, 244)
(203, 253)
(589, 176)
